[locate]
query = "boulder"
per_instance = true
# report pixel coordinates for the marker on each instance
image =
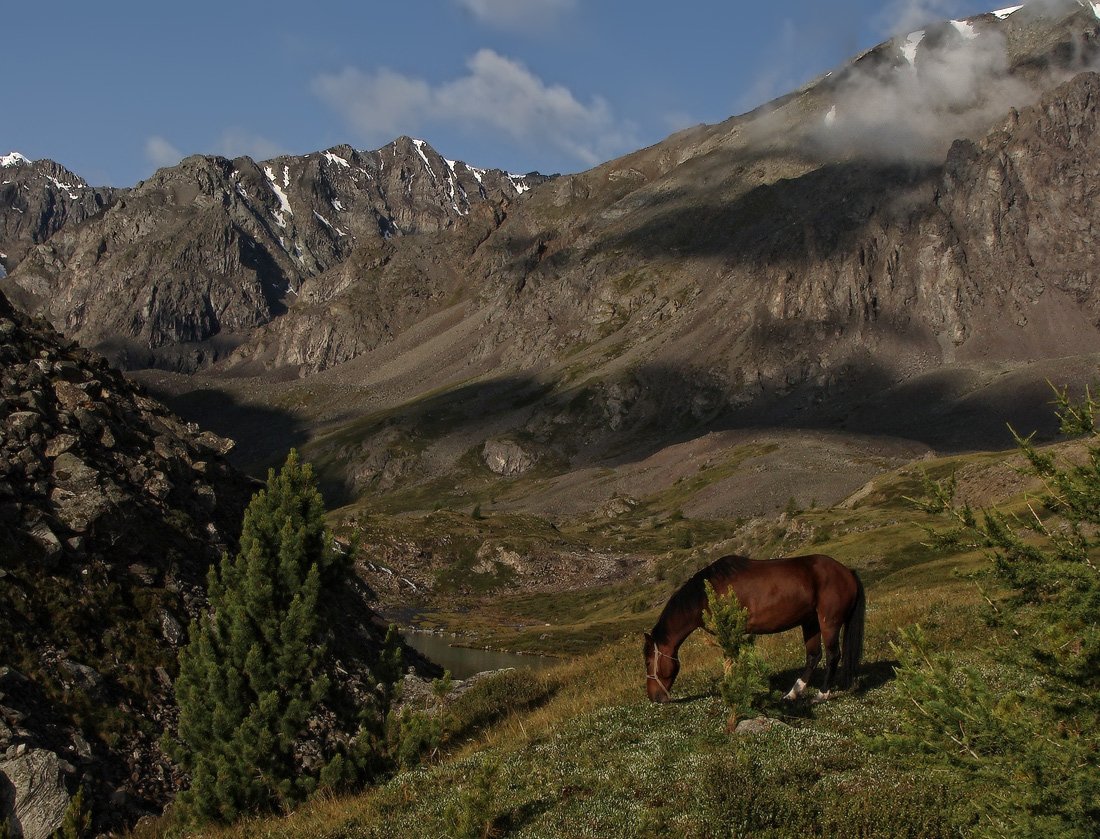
(758, 725)
(506, 457)
(33, 798)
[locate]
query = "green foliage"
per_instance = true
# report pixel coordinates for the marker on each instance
(473, 816)
(965, 720)
(389, 666)
(77, 822)
(1037, 745)
(442, 686)
(494, 698)
(744, 674)
(413, 736)
(750, 791)
(254, 672)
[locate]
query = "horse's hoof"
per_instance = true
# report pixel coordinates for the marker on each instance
(822, 697)
(795, 691)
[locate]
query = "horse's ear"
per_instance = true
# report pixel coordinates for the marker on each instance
(648, 637)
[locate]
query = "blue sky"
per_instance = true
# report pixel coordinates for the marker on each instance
(115, 89)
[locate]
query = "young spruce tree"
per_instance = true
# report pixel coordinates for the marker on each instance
(744, 674)
(253, 672)
(1035, 745)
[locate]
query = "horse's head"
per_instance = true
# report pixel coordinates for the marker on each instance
(661, 670)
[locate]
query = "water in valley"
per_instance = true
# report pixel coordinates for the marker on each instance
(464, 662)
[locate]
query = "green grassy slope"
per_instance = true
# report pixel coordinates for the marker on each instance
(579, 751)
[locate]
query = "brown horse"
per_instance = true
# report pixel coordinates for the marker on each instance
(814, 592)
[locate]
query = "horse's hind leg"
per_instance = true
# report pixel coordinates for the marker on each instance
(830, 637)
(811, 634)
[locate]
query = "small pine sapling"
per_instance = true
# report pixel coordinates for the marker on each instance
(744, 674)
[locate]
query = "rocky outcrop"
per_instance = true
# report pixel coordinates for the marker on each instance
(33, 793)
(506, 458)
(182, 267)
(111, 511)
(38, 198)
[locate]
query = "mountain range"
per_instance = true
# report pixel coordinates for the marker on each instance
(913, 226)
(179, 269)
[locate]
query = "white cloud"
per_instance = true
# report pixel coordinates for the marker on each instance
(497, 95)
(235, 142)
(957, 89)
(160, 152)
(379, 105)
(518, 14)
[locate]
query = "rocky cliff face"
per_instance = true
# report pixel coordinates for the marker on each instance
(182, 267)
(38, 198)
(111, 510)
(835, 231)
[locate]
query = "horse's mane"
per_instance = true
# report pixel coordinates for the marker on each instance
(691, 596)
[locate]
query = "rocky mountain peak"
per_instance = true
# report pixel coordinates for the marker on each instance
(38, 198)
(201, 253)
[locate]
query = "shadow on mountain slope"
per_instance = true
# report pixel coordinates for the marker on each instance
(614, 424)
(263, 435)
(810, 216)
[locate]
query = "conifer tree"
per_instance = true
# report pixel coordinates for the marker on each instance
(253, 673)
(744, 673)
(1035, 744)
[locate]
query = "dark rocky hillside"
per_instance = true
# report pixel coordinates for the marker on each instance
(111, 510)
(183, 266)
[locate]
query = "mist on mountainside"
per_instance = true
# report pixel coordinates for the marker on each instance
(910, 98)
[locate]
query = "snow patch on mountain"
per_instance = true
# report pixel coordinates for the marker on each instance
(909, 48)
(420, 151)
(284, 202)
(329, 224)
(68, 188)
(13, 159)
(965, 29)
(1003, 13)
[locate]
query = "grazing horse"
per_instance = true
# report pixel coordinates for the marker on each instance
(814, 592)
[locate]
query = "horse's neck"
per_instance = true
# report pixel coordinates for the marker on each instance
(675, 630)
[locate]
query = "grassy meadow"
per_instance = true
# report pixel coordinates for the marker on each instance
(577, 750)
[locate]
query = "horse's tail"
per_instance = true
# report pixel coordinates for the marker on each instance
(853, 635)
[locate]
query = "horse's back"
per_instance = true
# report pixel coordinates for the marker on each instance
(785, 592)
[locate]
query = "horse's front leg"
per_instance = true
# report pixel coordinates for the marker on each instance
(811, 634)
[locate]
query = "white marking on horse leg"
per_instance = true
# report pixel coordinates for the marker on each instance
(823, 696)
(795, 691)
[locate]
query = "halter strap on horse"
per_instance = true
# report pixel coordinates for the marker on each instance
(657, 655)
